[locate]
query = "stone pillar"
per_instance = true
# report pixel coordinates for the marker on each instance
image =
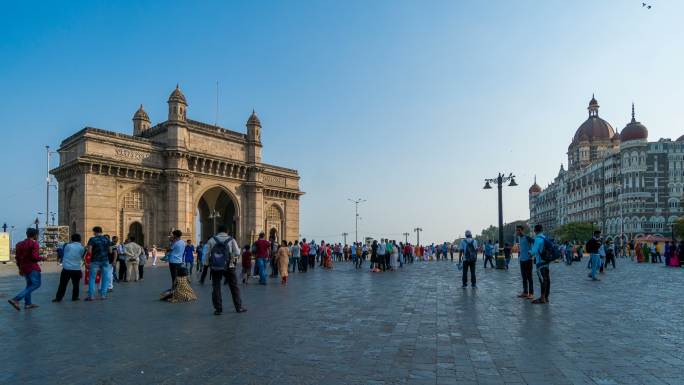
(254, 205)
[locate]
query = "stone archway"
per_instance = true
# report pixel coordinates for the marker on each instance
(216, 207)
(135, 230)
(274, 223)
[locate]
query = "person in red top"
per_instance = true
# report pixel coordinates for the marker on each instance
(263, 248)
(304, 259)
(27, 261)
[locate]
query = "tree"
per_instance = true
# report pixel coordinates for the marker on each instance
(679, 229)
(575, 231)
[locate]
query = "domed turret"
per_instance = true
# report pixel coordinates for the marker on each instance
(634, 130)
(253, 120)
(594, 128)
(535, 189)
(177, 105)
(253, 138)
(141, 121)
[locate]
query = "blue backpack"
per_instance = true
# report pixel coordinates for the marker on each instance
(550, 252)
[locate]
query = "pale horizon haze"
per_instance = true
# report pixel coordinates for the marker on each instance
(407, 104)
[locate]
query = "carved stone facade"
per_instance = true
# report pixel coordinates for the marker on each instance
(179, 174)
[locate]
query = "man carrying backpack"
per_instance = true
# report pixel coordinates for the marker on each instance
(489, 254)
(525, 242)
(222, 254)
(469, 248)
(539, 250)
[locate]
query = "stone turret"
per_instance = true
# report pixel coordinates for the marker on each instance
(141, 121)
(253, 138)
(177, 105)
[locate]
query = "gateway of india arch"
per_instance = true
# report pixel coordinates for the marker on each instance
(178, 174)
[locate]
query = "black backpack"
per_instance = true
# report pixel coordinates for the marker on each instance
(219, 255)
(470, 252)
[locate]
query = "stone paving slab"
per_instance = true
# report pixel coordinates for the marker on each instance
(414, 326)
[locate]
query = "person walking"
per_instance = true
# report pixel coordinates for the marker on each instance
(282, 260)
(27, 257)
(304, 261)
(132, 251)
(382, 250)
(313, 251)
(189, 257)
(489, 254)
(507, 250)
(542, 265)
(469, 248)
(154, 255)
(200, 257)
(99, 250)
(175, 255)
(610, 254)
(593, 245)
(246, 264)
(263, 251)
(524, 258)
(73, 255)
(142, 260)
(296, 253)
(121, 258)
(222, 254)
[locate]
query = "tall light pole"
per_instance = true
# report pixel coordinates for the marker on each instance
(500, 180)
(406, 235)
(213, 215)
(345, 237)
(356, 217)
(47, 186)
(418, 230)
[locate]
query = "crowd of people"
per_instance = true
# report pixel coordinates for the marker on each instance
(220, 255)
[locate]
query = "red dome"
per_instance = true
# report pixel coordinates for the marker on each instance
(634, 130)
(535, 189)
(594, 128)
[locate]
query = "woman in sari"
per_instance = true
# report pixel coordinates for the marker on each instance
(327, 259)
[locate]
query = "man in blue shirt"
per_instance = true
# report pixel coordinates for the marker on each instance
(176, 254)
(98, 247)
(489, 254)
(525, 243)
(542, 266)
(189, 257)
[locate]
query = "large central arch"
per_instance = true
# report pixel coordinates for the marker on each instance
(215, 207)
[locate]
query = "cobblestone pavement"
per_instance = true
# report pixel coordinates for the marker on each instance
(414, 326)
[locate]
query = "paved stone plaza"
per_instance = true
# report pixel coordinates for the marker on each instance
(415, 326)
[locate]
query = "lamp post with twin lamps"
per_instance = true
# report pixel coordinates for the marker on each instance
(500, 180)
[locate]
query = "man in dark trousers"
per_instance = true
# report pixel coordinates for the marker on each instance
(469, 248)
(232, 250)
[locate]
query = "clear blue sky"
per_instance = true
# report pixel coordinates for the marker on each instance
(407, 104)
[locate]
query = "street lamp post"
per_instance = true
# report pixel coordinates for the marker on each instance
(356, 217)
(406, 235)
(500, 180)
(418, 230)
(213, 215)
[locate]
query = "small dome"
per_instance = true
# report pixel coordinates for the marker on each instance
(535, 189)
(593, 102)
(253, 120)
(141, 114)
(634, 130)
(177, 96)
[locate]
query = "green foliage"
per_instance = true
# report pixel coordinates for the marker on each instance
(492, 232)
(679, 229)
(575, 231)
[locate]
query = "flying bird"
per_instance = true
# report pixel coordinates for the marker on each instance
(645, 5)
